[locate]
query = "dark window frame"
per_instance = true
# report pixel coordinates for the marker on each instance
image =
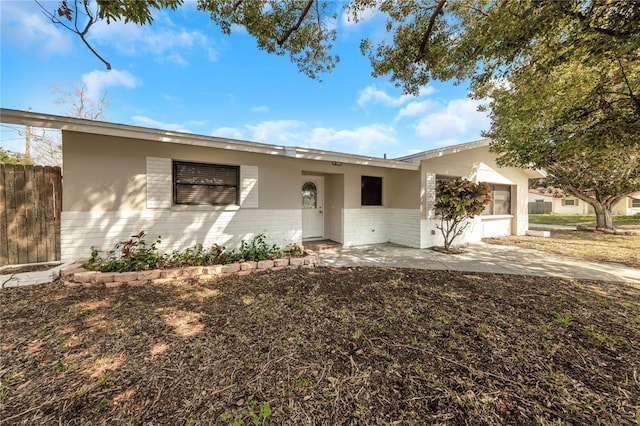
(175, 183)
(635, 203)
(367, 185)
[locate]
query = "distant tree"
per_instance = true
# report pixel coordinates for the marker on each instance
(77, 103)
(47, 147)
(10, 157)
(599, 179)
(577, 123)
(458, 201)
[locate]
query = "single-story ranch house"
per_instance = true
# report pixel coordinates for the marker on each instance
(120, 179)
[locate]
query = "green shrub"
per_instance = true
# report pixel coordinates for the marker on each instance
(135, 255)
(126, 256)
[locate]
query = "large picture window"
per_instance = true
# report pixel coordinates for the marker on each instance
(208, 184)
(500, 200)
(371, 194)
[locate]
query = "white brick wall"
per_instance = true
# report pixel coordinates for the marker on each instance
(249, 186)
(473, 233)
(365, 226)
(159, 185)
(380, 225)
(430, 195)
(179, 229)
(405, 227)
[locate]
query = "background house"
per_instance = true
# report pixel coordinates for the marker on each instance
(560, 203)
(189, 189)
(628, 206)
(566, 204)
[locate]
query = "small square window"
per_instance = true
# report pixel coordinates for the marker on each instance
(635, 203)
(371, 191)
(569, 202)
(207, 184)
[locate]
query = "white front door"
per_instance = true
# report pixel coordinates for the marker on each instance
(312, 199)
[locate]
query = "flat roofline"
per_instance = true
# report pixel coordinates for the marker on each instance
(96, 127)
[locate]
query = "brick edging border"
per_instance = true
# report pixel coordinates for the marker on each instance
(75, 275)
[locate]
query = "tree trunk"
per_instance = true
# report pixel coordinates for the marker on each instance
(603, 216)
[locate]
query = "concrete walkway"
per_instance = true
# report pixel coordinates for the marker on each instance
(480, 257)
(549, 226)
(29, 278)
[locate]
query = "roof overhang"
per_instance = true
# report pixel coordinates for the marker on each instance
(454, 149)
(95, 127)
(448, 150)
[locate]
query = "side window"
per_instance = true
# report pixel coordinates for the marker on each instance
(205, 184)
(371, 191)
(500, 200)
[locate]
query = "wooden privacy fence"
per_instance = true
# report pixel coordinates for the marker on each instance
(540, 207)
(30, 205)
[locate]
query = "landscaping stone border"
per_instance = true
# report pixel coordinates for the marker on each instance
(75, 275)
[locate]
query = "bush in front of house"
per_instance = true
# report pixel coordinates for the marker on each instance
(136, 254)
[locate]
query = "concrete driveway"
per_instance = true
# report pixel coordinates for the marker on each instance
(479, 257)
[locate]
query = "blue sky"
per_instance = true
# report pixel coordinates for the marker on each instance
(181, 73)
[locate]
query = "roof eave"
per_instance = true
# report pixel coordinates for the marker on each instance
(167, 136)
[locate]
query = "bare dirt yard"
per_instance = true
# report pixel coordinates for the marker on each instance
(352, 346)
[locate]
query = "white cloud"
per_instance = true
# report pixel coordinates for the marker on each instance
(415, 108)
(458, 121)
(366, 15)
(372, 95)
(26, 26)
(296, 133)
(176, 58)
(150, 122)
(212, 54)
(227, 132)
(164, 41)
(363, 138)
(96, 81)
(261, 108)
(286, 132)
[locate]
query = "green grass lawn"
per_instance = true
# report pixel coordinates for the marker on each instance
(622, 222)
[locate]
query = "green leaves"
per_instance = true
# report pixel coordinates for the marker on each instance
(135, 11)
(135, 255)
(461, 197)
(458, 200)
(301, 29)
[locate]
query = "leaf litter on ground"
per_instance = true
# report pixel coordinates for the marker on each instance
(339, 346)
